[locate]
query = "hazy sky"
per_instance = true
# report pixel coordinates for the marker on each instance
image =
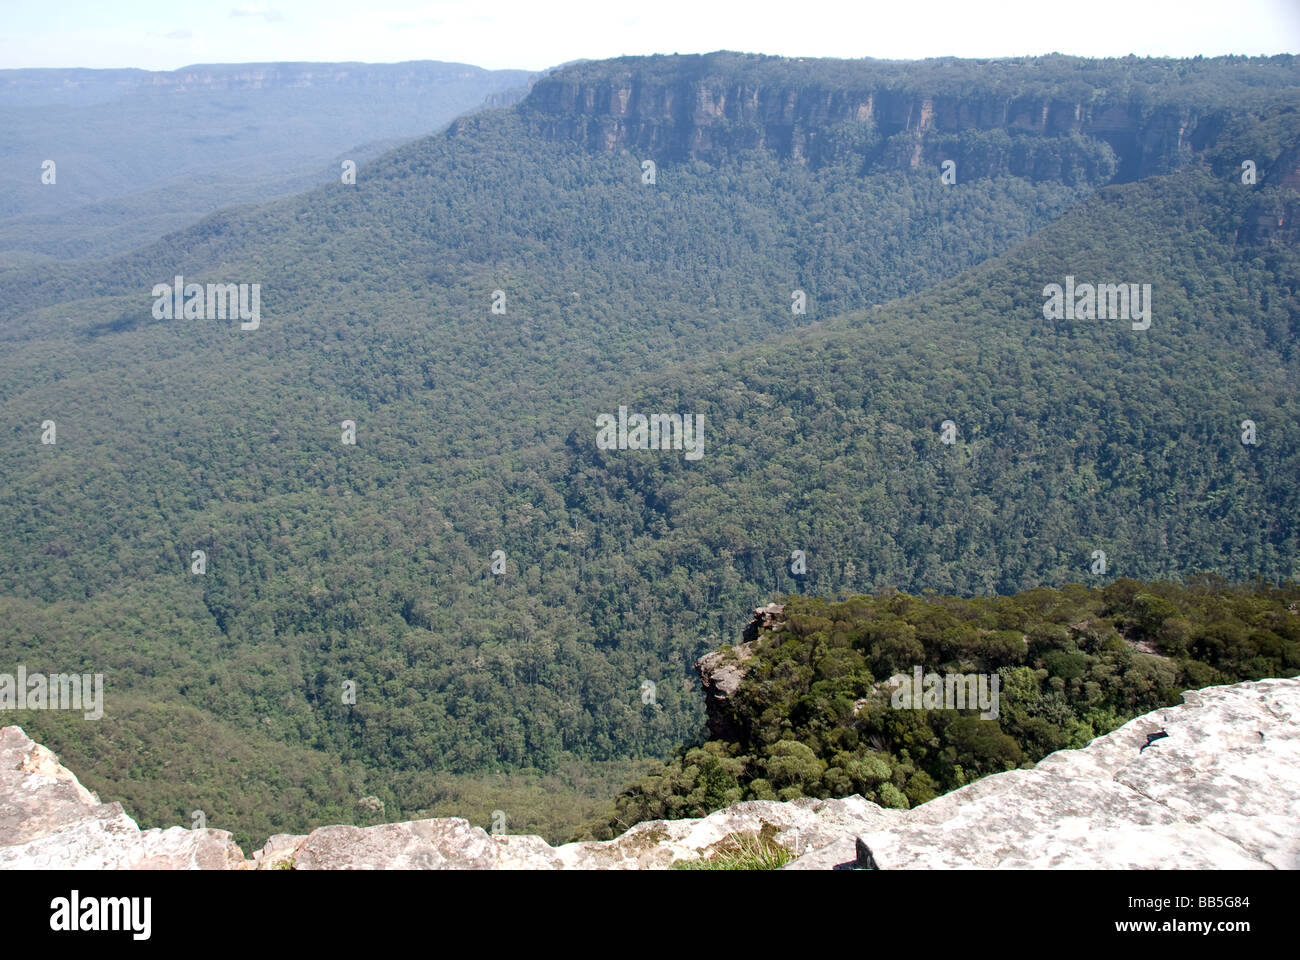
(532, 34)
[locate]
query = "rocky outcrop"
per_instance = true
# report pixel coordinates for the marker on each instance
(446, 844)
(890, 114)
(720, 673)
(48, 819)
(1276, 217)
(767, 617)
(1221, 790)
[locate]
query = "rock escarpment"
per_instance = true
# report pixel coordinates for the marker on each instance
(891, 115)
(721, 672)
(1221, 790)
(1276, 217)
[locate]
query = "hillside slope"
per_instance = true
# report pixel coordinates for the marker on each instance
(371, 564)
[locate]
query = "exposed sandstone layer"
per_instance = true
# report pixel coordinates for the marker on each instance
(711, 105)
(1220, 791)
(48, 819)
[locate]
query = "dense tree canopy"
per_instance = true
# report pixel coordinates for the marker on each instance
(329, 564)
(817, 717)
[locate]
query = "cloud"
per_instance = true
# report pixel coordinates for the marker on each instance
(266, 13)
(409, 24)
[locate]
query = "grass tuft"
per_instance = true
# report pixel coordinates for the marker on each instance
(741, 851)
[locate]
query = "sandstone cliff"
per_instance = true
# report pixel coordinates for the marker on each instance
(720, 673)
(1222, 790)
(890, 114)
(1276, 217)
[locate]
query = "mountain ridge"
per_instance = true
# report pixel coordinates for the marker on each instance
(900, 114)
(139, 153)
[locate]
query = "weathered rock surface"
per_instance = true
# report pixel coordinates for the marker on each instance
(48, 819)
(454, 844)
(721, 672)
(715, 103)
(1222, 790)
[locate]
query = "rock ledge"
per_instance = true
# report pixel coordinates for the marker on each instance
(1220, 791)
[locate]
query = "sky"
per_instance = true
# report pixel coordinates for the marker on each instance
(534, 34)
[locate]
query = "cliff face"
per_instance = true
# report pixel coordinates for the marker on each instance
(1276, 217)
(720, 674)
(703, 113)
(1221, 790)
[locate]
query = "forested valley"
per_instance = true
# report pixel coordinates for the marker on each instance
(523, 690)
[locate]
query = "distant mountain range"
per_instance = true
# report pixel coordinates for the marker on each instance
(140, 153)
